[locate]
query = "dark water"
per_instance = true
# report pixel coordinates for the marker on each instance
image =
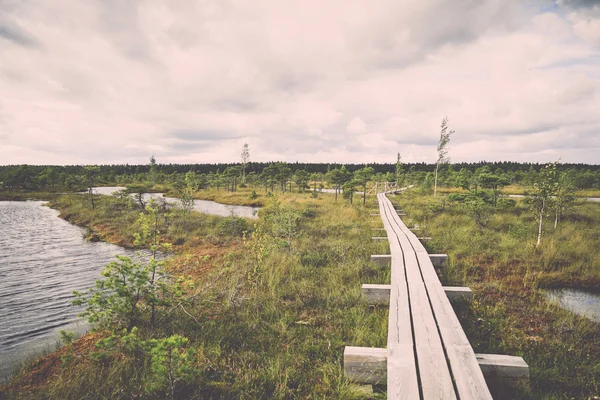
(42, 260)
(577, 301)
(205, 206)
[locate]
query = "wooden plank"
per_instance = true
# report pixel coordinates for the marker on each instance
(498, 366)
(377, 294)
(401, 364)
(379, 238)
(470, 382)
(439, 260)
(365, 364)
(436, 382)
(457, 292)
(368, 365)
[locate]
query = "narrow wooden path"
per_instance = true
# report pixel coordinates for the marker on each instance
(443, 364)
(428, 355)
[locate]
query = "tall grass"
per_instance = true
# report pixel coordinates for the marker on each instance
(276, 333)
(509, 313)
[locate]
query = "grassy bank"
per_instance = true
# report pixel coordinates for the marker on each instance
(267, 318)
(504, 268)
(22, 195)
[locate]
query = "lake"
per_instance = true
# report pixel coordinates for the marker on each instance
(42, 260)
(204, 206)
(580, 302)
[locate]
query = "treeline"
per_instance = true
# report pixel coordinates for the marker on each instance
(76, 177)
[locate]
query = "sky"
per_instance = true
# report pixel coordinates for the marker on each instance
(348, 81)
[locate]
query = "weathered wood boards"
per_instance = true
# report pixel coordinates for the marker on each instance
(438, 260)
(368, 365)
(441, 349)
(428, 348)
(402, 382)
(428, 355)
(376, 294)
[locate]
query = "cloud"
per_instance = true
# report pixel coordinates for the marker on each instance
(107, 81)
(13, 32)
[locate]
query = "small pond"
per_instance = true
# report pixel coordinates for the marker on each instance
(580, 302)
(205, 206)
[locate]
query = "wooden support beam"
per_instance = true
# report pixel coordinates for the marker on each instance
(379, 238)
(368, 365)
(402, 214)
(425, 238)
(381, 259)
(365, 364)
(439, 260)
(374, 214)
(457, 292)
(376, 294)
(499, 366)
(380, 294)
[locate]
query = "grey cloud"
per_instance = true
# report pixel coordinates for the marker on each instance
(399, 43)
(237, 105)
(119, 22)
(579, 3)
(193, 135)
(14, 33)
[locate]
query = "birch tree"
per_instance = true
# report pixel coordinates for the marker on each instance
(245, 159)
(442, 150)
(543, 195)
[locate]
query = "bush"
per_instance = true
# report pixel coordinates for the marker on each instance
(458, 197)
(232, 226)
(309, 212)
(506, 204)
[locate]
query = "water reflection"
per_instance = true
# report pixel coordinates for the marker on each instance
(204, 206)
(42, 260)
(577, 301)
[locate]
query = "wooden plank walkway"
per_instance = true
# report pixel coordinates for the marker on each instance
(429, 355)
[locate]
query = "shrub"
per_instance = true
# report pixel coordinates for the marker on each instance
(232, 226)
(506, 204)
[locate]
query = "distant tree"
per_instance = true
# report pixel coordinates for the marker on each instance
(231, 175)
(284, 173)
(337, 177)
(301, 178)
(269, 177)
(348, 189)
(187, 188)
(153, 170)
(138, 191)
(245, 159)
(399, 171)
(362, 177)
(90, 178)
(442, 150)
(564, 195)
(464, 179)
(494, 181)
(543, 190)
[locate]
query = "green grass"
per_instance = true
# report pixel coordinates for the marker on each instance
(509, 314)
(274, 330)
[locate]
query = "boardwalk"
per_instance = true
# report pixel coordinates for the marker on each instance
(442, 361)
(428, 355)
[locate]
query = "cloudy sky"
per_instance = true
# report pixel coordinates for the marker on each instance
(114, 81)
